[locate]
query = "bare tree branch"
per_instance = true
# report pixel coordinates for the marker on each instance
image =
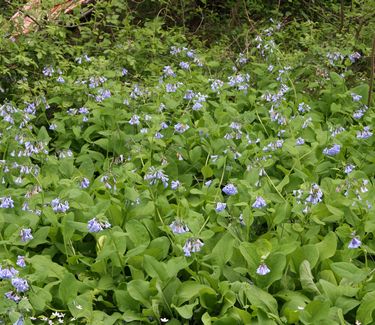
(26, 18)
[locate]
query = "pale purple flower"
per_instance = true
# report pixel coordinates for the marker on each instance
(96, 81)
(26, 235)
(364, 189)
(95, 225)
(192, 245)
(21, 261)
(20, 284)
(337, 131)
(354, 56)
(300, 141)
(307, 123)
(124, 72)
(332, 151)
(356, 97)
(235, 126)
(153, 175)
(230, 189)
(163, 125)
(168, 71)
(174, 50)
(158, 135)
(83, 110)
(190, 54)
(263, 269)
(303, 108)
(220, 206)
(181, 127)
(134, 120)
(359, 114)
(102, 94)
(6, 202)
(48, 71)
(175, 185)
(136, 92)
(315, 194)
(242, 59)
(189, 94)
(60, 79)
(349, 168)
(216, 85)
(59, 206)
(365, 134)
(85, 183)
(171, 88)
(7, 273)
(184, 65)
(143, 130)
(12, 296)
(259, 203)
(198, 100)
(208, 183)
(178, 227)
(355, 243)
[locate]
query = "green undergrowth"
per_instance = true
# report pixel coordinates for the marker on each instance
(149, 175)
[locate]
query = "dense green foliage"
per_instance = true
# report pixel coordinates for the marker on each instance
(157, 168)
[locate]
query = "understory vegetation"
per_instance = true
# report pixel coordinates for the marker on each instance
(188, 162)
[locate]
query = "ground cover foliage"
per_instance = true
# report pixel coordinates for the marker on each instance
(154, 171)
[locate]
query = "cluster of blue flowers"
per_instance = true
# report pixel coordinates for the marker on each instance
(96, 225)
(20, 285)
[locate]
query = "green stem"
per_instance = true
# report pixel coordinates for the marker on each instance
(371, 84)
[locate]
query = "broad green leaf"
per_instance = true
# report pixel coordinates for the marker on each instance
(189, 290)
(186, 311)
(306, 277)
(349, 271)
(137, 232)
(154, 268)
(68, 288)
(44, 267)
(39, 298)
(327, 247)
(307, 252)
(223, 250)
(316, 312)
(139, 290)
(366, 309)
(261, 299)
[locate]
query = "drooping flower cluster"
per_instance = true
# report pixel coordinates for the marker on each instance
(181, 127)
(332, 151)
(6, 202)
(230, 189)
(178, 227)
(355, 243)
(19, 284)
(154, 174)
(25, 235)
(365, 134)
(263, 269)
(220, 206)
(192, 245)
(85, 183)
(95, 225)
(315, 195)
(259, 203)
(59, 206)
